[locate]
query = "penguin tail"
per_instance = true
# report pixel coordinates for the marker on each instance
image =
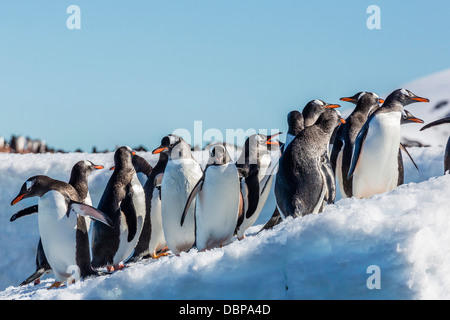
(273, 221)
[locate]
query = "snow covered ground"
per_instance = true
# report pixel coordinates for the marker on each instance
(406, 233)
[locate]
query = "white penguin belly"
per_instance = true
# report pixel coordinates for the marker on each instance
(88, 220)
(377, 168)
(217, 206)
(157, 239)
(180, 177)
(126, 248)
(58, 234)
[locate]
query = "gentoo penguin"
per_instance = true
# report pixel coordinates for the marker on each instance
(447, 147)
(301, 184)
(257, 165)
(218, 199)
(375, 164)
(123, 201)
(181, 174)
(341, 154)
(407, 117)
(296, 124)
(311, 113)
(62, 227)
(79, 180)
(152, 241)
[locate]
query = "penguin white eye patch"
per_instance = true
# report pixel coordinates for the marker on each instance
(29, 184)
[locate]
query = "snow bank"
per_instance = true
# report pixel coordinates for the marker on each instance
(405, 233)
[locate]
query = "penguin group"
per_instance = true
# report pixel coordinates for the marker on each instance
(184, 205)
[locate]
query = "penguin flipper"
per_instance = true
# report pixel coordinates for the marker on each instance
(406, 151)
(87, 210)
(435, 123)
(129, 211)
(191, 197)
(24, 212)
(141, 165)
(337, 147)
(357, 147)
(252, 183)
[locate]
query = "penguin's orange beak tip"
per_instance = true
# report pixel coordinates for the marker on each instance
(112, 168)
(333, 106)
(159, 150)
(17, 199)
(381, 100)
(347, 99)
(98, 167)
(342, 121)
(133, 153)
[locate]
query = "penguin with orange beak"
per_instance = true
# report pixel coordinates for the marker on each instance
(257, 164)
(375, 165)
(341, 154)
(301, 184)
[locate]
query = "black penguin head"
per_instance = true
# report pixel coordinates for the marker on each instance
(408, 117)
(122, 157)
(85, 167)
(362, 94)
(314, 109)
(404, 97)
(35, 186)
(218, 155)
(256, 146)
(329, 120)
(295, 122)
(365, 101)
(174, 146)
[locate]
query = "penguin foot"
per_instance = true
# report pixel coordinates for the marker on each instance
(115, 267)
(159, 255)
(243, 237)
(37, 281)
(56, 285)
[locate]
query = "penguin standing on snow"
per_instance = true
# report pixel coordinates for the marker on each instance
(79, 180)
(152, 241)
(181, 174)
(257, 166)
(375, 161)
(123, 200)
(301, 184)
(62, 226)
(447, 147)
(311, 113)
(218, 199)
(341, 154)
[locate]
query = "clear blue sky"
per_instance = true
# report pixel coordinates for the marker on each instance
(137, 70)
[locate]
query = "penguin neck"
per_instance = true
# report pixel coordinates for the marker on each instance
(80, 183)
(363, 109)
